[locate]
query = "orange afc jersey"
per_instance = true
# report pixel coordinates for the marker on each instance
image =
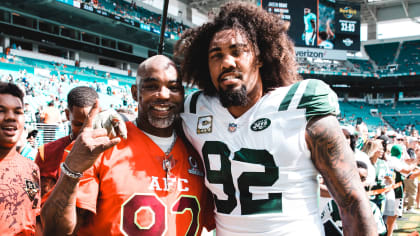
(131, 194)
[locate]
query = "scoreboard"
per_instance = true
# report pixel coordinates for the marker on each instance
(327, 24)
(347, 18)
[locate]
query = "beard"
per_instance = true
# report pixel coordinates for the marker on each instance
(231, 97)
(161, 123)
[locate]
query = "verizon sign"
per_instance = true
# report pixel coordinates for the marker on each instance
(318, 53)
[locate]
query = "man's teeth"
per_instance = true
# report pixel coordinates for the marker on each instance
(9, 128)
(160, 108)
(229, 77)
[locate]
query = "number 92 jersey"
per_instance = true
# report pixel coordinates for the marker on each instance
(258, 165)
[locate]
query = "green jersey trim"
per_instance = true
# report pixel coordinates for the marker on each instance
(193, 102)
(315, 96)
(319, 100)
(288, 98)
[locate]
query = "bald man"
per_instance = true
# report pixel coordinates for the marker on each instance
(141, 185)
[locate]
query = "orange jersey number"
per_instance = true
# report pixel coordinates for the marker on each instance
(145, 214)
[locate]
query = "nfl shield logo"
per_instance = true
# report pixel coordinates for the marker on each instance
(232, 127)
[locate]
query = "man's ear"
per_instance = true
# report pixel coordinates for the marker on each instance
(259, 63)
(67, 111)
(134, 92)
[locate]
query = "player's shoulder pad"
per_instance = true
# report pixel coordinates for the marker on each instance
(313, 95)
(319, 99)
(190, 103)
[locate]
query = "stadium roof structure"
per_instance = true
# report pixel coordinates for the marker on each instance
(372, 11)
(55, 12)
(384, 10)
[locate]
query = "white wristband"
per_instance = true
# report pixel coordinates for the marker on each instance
(72, 174)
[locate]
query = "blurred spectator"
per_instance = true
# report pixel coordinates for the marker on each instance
(38, 114)
(24, 148)
(375, 151)
(30, 118)
(31, 138)
(19, 179)
(400, 168)
(363, 134)
(350, 135)
(80, 101)
(410, 184)
(51, 115)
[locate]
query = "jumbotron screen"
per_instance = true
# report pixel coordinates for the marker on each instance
(325, 24)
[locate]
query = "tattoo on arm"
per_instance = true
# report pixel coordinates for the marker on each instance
(59, 211)
(330, 156)
(61, 203)
(333, 157)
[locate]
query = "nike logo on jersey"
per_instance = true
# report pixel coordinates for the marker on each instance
(168, 184)
(204, 124)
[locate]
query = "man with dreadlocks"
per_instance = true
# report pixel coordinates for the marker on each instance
(262, 132)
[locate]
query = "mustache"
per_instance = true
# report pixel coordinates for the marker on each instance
(229, 70)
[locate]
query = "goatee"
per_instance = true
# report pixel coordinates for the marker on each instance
(161, 123)
(231, 97)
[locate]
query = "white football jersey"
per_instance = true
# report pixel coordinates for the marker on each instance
(258, 165)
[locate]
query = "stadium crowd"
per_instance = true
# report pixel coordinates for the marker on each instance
(392, 157)
(387, 154)
(392, 160)
(131, 11)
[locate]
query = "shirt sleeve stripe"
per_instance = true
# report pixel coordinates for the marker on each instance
(288, 98)
(193, 103)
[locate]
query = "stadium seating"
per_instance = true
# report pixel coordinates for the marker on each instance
(398, 116)
(69, 77)
(140, 14)
(383, 54)
(362, 65)
(352, 111)
(409, 57)
(56, 85)
(391, 59)
(401, 114)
